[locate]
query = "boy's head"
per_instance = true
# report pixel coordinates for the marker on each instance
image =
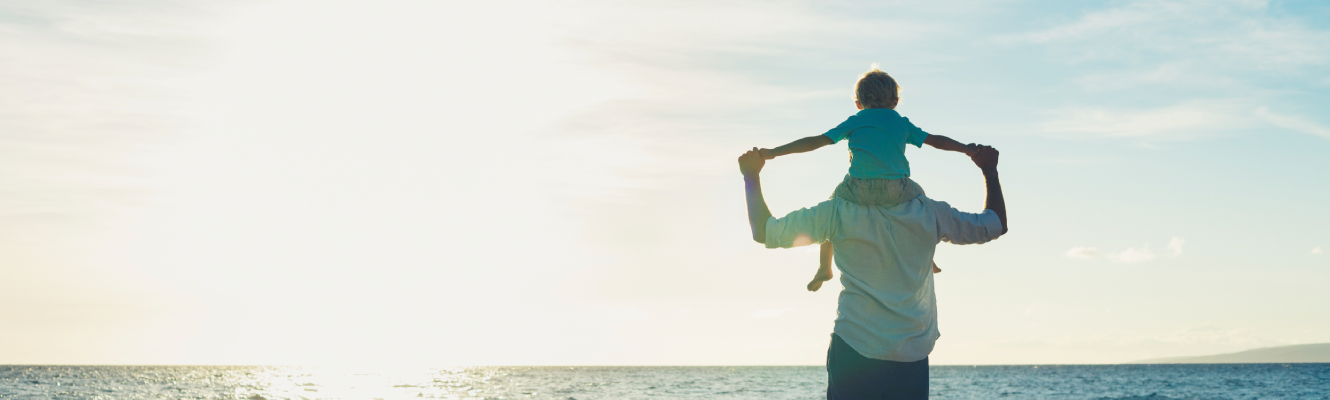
(876, 89)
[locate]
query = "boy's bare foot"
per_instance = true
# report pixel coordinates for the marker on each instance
(823, 275)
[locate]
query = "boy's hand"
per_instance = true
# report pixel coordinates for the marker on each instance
(985, 158)
(750, 164)
(971, 149)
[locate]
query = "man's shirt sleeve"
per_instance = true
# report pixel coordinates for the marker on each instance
(802, 227)
(956, 227)
(914, 135)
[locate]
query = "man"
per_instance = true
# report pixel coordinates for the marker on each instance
(886, 320)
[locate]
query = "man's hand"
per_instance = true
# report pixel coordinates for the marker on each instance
(767, 154)
(751, 163)
(985, 157)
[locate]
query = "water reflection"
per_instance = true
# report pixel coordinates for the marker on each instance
(345, 383)
(1207, 381)
(458, 383)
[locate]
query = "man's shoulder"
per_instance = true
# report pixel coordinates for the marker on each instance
(825, 206)
(931, 202)
(937, 207)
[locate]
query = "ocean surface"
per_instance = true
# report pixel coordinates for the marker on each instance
(1205, 381)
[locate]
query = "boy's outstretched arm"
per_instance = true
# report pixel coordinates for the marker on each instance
(798, 146)
(945, 143)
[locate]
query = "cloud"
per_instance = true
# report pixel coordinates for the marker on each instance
(84, 95)
(1173, 52)
(1175, 245)
(1293, 122)
(1316, 250)
(1232, 35)
(1184, 120)
(1179, 73)
(1083, 253)
(1132, 255)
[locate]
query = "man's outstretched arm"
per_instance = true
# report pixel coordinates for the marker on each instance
(986, 158)
(750, 165)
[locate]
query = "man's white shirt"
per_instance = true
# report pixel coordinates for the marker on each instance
(887, 310)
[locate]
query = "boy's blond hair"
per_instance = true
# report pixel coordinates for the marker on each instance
(876, 89)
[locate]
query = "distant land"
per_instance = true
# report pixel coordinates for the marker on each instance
(1301, 353)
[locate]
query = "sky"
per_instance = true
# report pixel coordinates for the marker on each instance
(554, 183)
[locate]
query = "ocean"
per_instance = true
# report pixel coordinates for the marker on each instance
(1154, 382)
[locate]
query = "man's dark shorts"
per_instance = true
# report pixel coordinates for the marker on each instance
(853, 376)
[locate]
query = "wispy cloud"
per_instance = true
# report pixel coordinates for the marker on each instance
(1133, 255)
(1175, 245)
(1172, 73)
(85, 93)
(1184, 120)
(1083, 253)
(1129, 255)
(1232, 35)
(1189, 119)
(1316, 250)
(1293, 122)
(1213, 61)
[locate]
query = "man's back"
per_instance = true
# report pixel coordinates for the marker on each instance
(887, 305)
(887, 310)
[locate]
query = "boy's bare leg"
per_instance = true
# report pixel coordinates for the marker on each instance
(823, 267)
(935, 268)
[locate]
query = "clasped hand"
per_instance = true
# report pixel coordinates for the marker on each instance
(751, 162)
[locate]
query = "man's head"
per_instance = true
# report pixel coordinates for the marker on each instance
(876, 89)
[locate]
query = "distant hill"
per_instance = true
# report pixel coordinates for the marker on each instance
(1302, 353)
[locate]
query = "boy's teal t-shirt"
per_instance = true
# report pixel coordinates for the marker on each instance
(877, 143)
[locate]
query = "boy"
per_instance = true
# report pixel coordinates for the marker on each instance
(879, 173)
